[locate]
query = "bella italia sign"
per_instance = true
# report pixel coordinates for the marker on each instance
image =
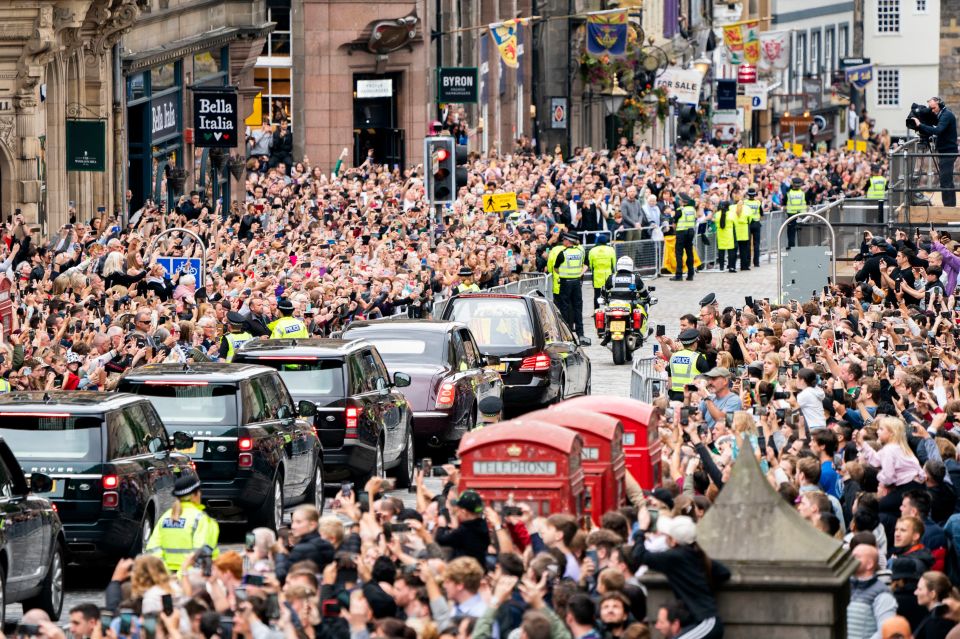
(215, 120)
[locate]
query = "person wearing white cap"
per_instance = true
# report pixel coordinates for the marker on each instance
(691, 574)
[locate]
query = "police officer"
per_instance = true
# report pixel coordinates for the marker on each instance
(685, 222)
(726, 237)
(569, 267)
(466, 285)
(236, 336)
(603, 259)
(741, 228)
(625, 284)
(796, 204)
(287, 325)
(4, 385)
(755, 205)
(877, 187)
(185, 528)
(555, 251)
(685, 364)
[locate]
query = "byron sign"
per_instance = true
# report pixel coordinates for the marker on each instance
(215, 120)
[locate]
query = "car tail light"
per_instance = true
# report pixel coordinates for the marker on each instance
(637, 319)
(110, 498)
(598, 320)
(538, 363)
(353, 421)
(245, 443)
(447, 394)
(245, 460)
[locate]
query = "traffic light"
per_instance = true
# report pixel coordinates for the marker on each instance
(440, 160)
(461, 171)
(688, 128)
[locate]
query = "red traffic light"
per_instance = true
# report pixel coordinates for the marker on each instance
(442, 154)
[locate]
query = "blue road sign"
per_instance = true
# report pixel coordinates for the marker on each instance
(191, 265)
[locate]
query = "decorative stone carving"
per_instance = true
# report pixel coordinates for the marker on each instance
(37, 52)
(123, 13)
(8, 130)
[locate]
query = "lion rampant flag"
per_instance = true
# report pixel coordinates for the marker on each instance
(504, 35)
(742, 41)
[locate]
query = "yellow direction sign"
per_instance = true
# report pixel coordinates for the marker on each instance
(857, 145)
(752, 156)
(499, 202)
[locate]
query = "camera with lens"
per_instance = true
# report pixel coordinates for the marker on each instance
(781, 395)
(924, 114)
(204, 560)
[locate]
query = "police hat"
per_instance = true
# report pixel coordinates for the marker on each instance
(235, 318)
(687, 200)
(491, 405)
(465, 271)
(602, 238)
(284, 304)
(186, 485)
(878, 241)
(708, 300)
(689, 335)
(573, 237)
(797, 181)
(752, 191)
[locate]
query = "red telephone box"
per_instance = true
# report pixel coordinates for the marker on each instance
(603, 460)
(534, 462)
(641, 440)
(6, 306)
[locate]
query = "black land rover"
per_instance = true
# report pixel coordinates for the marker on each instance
(362, 411)
(112, 462)
(254, 449)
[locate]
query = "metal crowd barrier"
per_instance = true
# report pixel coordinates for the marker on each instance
(643, 378)
(647, 256)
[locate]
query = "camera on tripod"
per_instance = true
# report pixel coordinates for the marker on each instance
(924, 114)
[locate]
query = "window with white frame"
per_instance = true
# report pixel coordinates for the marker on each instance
(888, 87)
(799, 63)
(920, 6)
(273, 71)
(843, 45)
(888, 16)
(828, 52)
(815, 53)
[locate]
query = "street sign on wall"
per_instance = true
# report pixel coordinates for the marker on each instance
(86, 145)
(190, 265)
(459, 85)
(215, 120)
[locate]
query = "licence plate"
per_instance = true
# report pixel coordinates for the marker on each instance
(618, 326)
(500, 368)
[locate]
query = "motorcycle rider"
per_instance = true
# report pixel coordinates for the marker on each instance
(625, 285)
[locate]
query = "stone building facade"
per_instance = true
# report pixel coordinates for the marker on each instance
(950, 54)
(62, 60)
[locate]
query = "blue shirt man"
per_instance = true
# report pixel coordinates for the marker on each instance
(721, 400)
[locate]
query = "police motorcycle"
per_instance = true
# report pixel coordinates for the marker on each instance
(621, 317)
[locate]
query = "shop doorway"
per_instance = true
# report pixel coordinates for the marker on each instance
(376, 130)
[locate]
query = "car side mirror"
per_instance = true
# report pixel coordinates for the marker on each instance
(40, 483)
(182, 440)
(306, 408)
(401, 380)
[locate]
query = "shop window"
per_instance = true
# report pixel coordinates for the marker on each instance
(278, 42)
(888, 16)
(163, 77)
(137, 86)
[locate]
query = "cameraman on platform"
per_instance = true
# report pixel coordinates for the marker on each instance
(946, 132)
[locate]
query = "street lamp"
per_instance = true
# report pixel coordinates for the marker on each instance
(613, 100)
(702, 65)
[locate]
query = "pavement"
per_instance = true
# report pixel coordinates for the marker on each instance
(674, 299)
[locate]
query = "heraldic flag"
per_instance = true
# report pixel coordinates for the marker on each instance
(742, 42)
(607, 33)
(504, 35)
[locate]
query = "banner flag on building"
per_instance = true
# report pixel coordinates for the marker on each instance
(504, 35)
(742, 40)
(775, 50)
(607, 33)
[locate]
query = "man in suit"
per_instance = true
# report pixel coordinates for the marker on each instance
(946, 133)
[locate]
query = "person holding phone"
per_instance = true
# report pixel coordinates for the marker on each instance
(308, 543)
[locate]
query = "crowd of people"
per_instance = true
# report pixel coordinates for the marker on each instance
(333, 246)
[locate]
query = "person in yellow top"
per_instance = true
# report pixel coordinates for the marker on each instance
(603, 262)
(741, 226)
(287, 326)
(185, 529)
(754, 206)
(555, 251)
(726, 238)
(877, 185)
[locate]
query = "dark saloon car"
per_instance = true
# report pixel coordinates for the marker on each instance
(537, 355)
(254, 449)
(31, 541)
(448, 374)
(112, 462)
(366, 419)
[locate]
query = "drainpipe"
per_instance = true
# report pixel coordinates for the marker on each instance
(119, 140)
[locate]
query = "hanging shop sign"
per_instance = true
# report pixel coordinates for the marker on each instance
(86, 145)
(215, 120)
(457, 85)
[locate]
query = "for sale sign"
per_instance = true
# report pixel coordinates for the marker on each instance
(215, 119)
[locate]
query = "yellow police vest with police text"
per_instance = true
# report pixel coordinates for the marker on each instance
(173, 540)
(878, 188)
(235, 341)
(796, 202)
(288, 327)
(688, 218)
(572, 266)
(603, 262)
(683, 369)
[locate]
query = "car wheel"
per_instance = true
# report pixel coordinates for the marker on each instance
(314, 493)
(146, 530)
(271, 512)
(50, 599)
(407, 461)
